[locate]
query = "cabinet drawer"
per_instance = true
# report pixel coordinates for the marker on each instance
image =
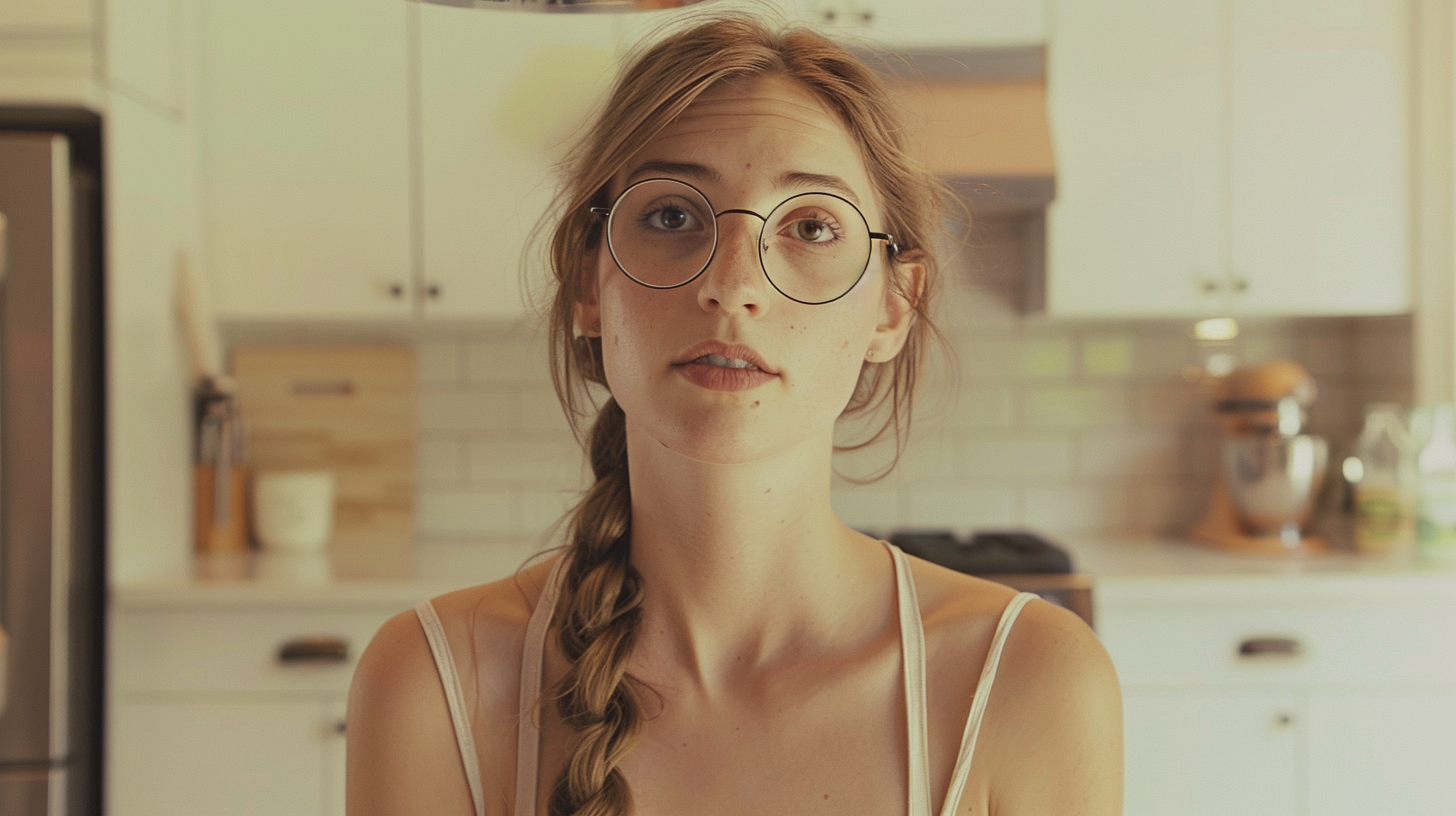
(1415, 644)
(168, 651)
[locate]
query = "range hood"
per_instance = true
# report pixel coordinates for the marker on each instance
(568, 6)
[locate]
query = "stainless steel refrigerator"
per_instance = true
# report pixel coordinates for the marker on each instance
(51, 447)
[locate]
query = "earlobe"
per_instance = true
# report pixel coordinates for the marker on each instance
(899, 311)
(587, 313)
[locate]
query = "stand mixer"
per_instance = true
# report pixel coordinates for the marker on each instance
(1270, 470)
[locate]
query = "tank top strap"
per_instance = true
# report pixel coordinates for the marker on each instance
(962, 770)
(454, 699)
(912, 652)
(528, 729)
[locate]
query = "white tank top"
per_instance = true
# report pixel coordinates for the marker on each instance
(912, 649)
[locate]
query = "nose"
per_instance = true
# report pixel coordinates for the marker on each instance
(734, 279)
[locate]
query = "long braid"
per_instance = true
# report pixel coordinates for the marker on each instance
(601, 604)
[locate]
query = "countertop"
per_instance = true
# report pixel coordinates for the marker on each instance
(1126, 572)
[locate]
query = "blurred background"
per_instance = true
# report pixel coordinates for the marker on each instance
(273, 369)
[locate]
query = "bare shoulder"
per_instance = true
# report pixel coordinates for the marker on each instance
(1056, 716)
(402, 752)
(1051, 740)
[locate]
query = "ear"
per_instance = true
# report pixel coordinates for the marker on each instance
(587, 313)
(898, 310)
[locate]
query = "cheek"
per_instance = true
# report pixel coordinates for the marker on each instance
(628, 326)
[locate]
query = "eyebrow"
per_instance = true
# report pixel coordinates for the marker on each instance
(817, 182)
(698, 172)
(701, 172)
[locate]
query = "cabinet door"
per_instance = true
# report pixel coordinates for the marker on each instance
(1390, 752)
(222, 758)
(334, 756)
(938, 24)
(500, 96)
(1135, 94)
(1193, 753)
(305, 166)
(1318, 190)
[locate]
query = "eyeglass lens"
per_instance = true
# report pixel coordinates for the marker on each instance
(814, 247)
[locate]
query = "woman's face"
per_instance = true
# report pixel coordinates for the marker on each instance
(748, 144)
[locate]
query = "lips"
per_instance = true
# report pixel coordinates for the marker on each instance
(719, 366)
(733, 356)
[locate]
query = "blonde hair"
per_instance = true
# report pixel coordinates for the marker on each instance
(601, 591)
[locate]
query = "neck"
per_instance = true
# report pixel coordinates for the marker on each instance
(743, 564)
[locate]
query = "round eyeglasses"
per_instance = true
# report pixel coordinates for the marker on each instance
(813, 247)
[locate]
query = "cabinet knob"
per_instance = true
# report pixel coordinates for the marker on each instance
(829, 15)
(1264, 647)
(396, 290)
(305, 650)
(1283, 719)
(1241, 284)
(340, 726)
(867, 16)
(1208, 286)
(433, 290)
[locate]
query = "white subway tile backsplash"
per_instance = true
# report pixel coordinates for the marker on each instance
(872, 508)
(1141, 451)
(1063, 406)
(462, 512)
(462, 409)
(1100, 509)
(1082, 428)
(540, 460)
(507, 360)
(440, 459)
(1019, 459)
(438, 362)
(962, 509)
(1108, 354)
(1044, 358)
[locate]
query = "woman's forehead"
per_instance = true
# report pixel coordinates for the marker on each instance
(755, 129)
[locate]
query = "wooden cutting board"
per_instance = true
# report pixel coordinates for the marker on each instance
(351, 410)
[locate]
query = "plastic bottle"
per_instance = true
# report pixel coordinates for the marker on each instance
(1437, 503)
(1385, 501)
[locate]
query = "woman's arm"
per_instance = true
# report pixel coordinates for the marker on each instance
(1061, 711)
(402, 754)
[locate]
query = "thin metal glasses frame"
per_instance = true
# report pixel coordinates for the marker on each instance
(610, 212)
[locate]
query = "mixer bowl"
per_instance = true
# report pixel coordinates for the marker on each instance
(1274, 479)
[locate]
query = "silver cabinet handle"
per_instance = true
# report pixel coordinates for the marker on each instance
(306, 650)
(1270, 647)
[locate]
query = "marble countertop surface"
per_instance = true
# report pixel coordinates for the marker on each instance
(1122, 569)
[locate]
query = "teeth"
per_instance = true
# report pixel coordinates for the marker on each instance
(724, 362)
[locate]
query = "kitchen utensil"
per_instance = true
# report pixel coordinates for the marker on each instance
(220, 479)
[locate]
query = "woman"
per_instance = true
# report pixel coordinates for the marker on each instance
(742, 260)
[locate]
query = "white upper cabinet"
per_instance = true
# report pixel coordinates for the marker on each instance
(1318, 142)
(1133, 90)
(501, 95)
(1242, 157)
(305, 157)
(912, 24)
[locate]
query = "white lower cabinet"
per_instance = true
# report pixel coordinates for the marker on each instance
(232, 757)
(1373, 752)
(205, 716)
(1312, 696)
(1211, 753)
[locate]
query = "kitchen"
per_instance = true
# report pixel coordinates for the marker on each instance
(1082, 409)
